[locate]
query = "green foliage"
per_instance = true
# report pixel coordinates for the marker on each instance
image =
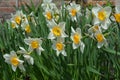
(93, 64)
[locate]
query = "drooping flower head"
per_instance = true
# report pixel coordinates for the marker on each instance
(26, 55)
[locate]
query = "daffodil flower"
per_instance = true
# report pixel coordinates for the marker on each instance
(74, 10)
(48, 14)
(56, 30)
(17, 17)
(93, 30)
(26, 27)
(101, 16)
(76, 38)
(88, 13)
(14, 61)
(48, 4)
(101, 39)
(24, 19)
(26, 55)
(117, 13)
(31, 18)
(12, 23)
(59, 46)
(56, 14)
(34, 43)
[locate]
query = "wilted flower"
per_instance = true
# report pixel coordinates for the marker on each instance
(56, 30)
(26, 55)
(76, 38)
(14, 61)
(34, 43)
(101, 16)
(88, 13)
(73, 9)
(59, 46)
(94, 29)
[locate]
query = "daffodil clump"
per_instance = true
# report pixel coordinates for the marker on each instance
(68, 40)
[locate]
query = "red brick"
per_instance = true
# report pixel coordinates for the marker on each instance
(7, 9)
(7, 4)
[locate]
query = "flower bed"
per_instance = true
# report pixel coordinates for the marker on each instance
(70, 42)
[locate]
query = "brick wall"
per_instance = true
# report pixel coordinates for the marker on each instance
(7, 6)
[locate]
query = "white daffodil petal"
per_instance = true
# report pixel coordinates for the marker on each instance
(30, 49)
(14, 68)
(88, 13)
(21, 67)
(112, 18)
(78, 30)
(82, 46)
(106, 24)
(105, 43)
(20, 61)
(21, 52)
(75, 46)
(69, 7)
(39, 50)
(51, 36)
(78, 7)
(27, 41)
(64, 35)
(74, 18)
(26, 56)
(31, 60)
(108, 10)
(51, 24)
(22, 48)
(117, 9)
(96, 21)
(58, 53)
(62, 25)
(12, 53)
(6, 56)
(100, 44)
(95, 11)
(73, 31)
(64, 53)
